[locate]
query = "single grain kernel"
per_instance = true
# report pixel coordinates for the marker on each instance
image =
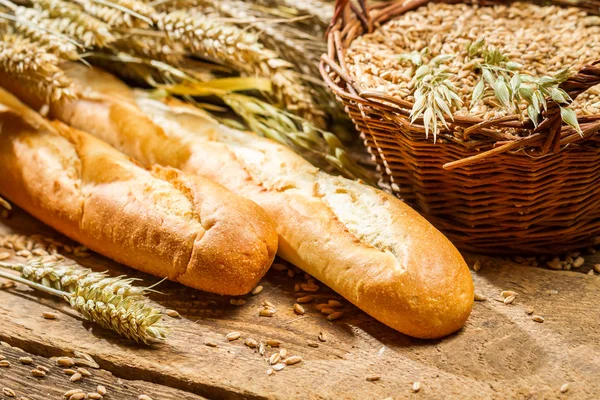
(69, 371)
(279, 267)
(101, 390)
(305, 299)
(173, 314)
(26, 360)
(416, 386)
(77, 396)
(75, 377)
(538, 318)
(508, 293)
(257, 290)
(251, 343)
(283, 353)
(49, 315)
(293, 360)
(274, 359)
(373, 378)
(42, 368)
(84, 372)
(334, 304)
(477, 266)
(210, 343)
(72, 392)
(578, 262)
(479, 297)
(310, 343)
(278, 367)
(322, 337)
(564, 388)
(327, 311)
(335, 315)
(510, 299)
(4, 364)
(273, 342)
(321, 306)
(4, 256)
(144, 397)
(231, 336)
(38, 373)
(65, 361)
(291, 273)
(8, 392)
(267, 312)
(298, 309)
(94, 396)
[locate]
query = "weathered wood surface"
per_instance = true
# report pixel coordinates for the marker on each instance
(500, 354)
(19, 379)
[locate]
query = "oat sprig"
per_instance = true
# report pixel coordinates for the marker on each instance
(435, 95)
(127, 316)
(513, 88)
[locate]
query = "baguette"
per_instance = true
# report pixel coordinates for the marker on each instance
(159, 221)
(362, 242)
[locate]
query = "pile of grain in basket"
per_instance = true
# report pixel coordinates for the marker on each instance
(543, 39)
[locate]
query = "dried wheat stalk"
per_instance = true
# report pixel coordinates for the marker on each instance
(321, 11)
(31, 65)
(68, 278)
(70, 19)
(127, 316)
(226, 43)
(38, 27)
(120, 13)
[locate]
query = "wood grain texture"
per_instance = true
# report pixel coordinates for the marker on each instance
(501, 353)
(19, 379)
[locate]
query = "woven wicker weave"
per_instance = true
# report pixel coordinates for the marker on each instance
(488, 191)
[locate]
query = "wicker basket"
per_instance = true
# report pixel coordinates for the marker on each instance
(536, 194)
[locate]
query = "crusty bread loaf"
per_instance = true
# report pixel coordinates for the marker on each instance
(364, 243)
(159, 221)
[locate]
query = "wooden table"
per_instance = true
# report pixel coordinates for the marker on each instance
(501, 353)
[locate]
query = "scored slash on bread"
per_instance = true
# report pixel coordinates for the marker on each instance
(160, 221)
(362, 242)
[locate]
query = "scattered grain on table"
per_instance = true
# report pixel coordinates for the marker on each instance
(538, 318)
(416, 386)
(335, 315)
(293, 360)
(49, 315)
(65, 361)
(257, 290)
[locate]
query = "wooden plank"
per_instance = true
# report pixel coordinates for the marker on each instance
(19, 379)
(501, 353)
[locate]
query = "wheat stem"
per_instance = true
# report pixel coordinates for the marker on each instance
(69, 278)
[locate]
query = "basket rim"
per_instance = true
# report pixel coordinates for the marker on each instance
(550, 136)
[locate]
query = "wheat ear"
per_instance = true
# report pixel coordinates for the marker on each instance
(31, 65)
(71, 20)
(227, 44)
(127, 316)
